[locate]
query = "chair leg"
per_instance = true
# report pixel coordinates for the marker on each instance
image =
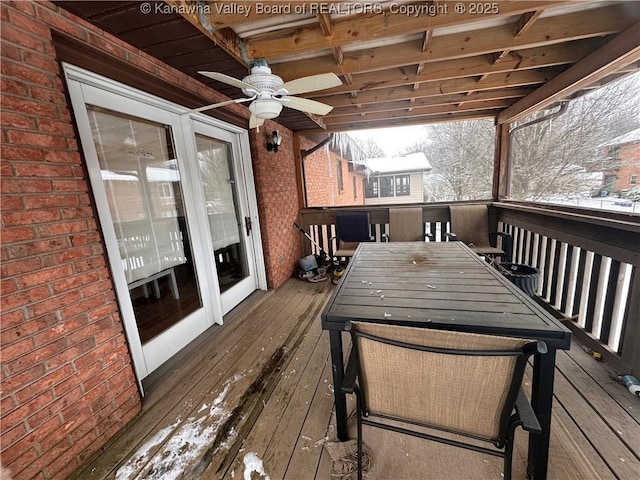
(359, 433)
(508, 459)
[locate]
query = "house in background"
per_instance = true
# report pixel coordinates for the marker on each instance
(624, 153)
(396, 180)
(334, 173)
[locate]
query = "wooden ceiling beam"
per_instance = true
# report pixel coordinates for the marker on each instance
(426, 42)
(469, 67)
(224, 14)
(546, 31)
(448, 87)
(615, 55)
(525, 22)
(488, 95)
(377, 26)
(419, 111)
(404, 122)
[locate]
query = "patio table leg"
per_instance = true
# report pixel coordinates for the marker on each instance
(337, 362)
(541, 401)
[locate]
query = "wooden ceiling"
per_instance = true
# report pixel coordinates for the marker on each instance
(401, 62)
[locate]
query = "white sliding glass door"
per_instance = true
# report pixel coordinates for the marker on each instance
(176, 204)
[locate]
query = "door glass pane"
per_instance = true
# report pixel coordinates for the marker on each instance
(225, 221)
(142, 182)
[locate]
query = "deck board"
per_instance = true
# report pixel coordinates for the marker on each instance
(261, 383)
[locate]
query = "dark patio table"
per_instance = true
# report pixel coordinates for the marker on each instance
(443, 285)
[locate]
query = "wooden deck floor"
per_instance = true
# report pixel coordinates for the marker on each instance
(258, 389)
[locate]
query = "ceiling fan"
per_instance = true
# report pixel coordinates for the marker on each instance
(268, 93)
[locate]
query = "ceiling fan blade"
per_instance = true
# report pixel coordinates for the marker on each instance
(221, 104)
(255, 122)
(306, 105)
(221, 77)
(312, 83)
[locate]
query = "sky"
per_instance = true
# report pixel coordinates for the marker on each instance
(392, 140)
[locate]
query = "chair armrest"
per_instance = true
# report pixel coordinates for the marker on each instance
(507, 242)
(385, 237)
(527, 416)
(350, 374)
(451, 237)
(429, 236)
(332, 240)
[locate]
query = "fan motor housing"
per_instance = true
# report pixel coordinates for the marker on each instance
(263, 80)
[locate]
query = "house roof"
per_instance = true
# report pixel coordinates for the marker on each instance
(632, 136)
(401, 62)
(413, 162)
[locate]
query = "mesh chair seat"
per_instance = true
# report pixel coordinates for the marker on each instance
(457, 382)
(406, 225)
(352, 228)
(470, 225)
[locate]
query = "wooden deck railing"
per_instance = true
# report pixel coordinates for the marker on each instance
(588, 260)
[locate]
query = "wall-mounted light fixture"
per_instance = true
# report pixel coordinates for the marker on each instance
(273, 141)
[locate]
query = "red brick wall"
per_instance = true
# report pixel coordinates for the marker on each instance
(277, 192)
(67, 379)
(320, 172)
(629, 159)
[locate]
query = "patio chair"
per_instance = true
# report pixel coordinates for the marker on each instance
(351, 228)
(406, 225)
(470, 224)
(461, 383)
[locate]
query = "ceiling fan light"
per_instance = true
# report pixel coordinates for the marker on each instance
(265, 108)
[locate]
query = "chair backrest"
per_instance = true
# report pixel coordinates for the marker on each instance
(353, 226)
(470, 223)
(406, 225)
(460, 382)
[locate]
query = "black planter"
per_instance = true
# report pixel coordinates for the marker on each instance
(524, 277)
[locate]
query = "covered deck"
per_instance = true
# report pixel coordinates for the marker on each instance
(242, 389)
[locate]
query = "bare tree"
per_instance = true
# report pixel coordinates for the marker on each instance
(558, 157)
(462, 156)
(370, 147)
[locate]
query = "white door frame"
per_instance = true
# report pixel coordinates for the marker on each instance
(87, 87)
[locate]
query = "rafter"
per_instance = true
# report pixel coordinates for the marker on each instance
(546, 31)
(433, 89)
(419, 111)
(374, 27)
(488, 95)
(618, 53)
(224, 14)
(404, 122)
(471, 67)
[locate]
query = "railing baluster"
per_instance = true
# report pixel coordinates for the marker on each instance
(550, 265)
(536, 247)
(527, 248)
(543, 262)
(617, 318)
(520, 244)
(586, 289)
(573, 282)
(598, 313)
(560, 278)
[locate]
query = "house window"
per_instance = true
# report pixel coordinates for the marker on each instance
(355, 191)
(633, 179)
(339, 175)
(402, 185)
(386, 187)
(371, 188)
